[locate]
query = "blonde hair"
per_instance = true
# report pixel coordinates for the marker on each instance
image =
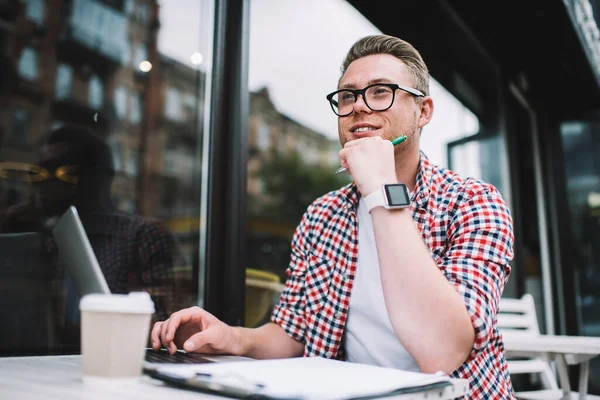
(385, 44)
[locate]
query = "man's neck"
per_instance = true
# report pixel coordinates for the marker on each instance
(407, 166)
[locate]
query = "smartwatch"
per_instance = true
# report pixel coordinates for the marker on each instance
(391, 196)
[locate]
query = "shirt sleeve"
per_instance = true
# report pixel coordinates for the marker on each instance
(289, 311)
(480, 237)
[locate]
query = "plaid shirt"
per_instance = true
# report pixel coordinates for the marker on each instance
(468, 230)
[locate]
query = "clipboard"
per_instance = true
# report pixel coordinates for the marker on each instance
(206, 383)
(252, 380)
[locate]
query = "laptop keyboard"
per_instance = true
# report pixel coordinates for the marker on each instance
(163, 357)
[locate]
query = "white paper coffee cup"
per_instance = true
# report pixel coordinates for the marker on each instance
(114, 334)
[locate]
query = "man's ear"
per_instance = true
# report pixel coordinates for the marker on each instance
(426, 111)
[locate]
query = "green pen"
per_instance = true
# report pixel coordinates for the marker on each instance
(395, 142)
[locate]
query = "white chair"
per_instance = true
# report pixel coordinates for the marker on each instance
(518, 317)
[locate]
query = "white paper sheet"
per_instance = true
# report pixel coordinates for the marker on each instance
(310, 378)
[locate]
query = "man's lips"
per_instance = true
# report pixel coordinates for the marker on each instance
(363, 130)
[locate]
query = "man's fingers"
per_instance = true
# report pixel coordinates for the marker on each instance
(183, 317)
(163, 334)
(155, 335)
(199, 340)
(172, 348)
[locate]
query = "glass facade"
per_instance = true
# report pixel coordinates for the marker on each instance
(581, 146)
(87, 118)
(292, 132)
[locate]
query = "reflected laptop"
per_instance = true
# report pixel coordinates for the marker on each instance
(83, 267)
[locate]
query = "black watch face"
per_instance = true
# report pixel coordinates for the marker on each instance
(397, 195)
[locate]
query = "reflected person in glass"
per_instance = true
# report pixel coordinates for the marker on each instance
(407, 282)
(134, 252)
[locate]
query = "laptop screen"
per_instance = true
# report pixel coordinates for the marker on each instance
(77, 253)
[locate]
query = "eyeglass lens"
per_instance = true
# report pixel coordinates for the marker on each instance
(377, 98)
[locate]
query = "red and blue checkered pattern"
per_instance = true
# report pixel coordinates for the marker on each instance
(468, 230)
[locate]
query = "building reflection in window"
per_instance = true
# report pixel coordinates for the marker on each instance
(35, 11)
(64, 81)
(95, 90)
(28, 64)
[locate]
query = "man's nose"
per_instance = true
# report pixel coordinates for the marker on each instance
(360, 105)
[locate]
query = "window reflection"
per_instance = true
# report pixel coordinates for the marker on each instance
(28, 64)
(64, 81)
(121, 96)
(35, 11)
(20, 126)
(293, 134)
(95, 93)
(96, 132)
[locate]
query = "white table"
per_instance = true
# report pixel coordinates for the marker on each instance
(59, 377)
(564, 350)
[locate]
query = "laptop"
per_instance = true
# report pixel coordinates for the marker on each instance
(84, 270)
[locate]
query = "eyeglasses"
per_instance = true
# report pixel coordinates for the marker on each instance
(378, 97)
(34, 173)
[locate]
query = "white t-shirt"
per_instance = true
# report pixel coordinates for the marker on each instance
(369, 336)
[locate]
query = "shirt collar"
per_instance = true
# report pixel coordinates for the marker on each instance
(420, 196)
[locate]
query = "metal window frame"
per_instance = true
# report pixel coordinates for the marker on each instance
(225, 185)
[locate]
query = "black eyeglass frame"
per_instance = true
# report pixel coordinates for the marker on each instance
(363, 91)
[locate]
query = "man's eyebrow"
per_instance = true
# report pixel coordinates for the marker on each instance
(352, 85)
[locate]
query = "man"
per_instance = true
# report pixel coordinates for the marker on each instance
(413, 288)
(134, 252)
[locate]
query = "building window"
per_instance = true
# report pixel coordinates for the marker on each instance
(121, 95)
(132, 161)
(99, 27)
(135, 115)
(117, 154)
(140, 54)
(20, 125)
(35, 11)
(129, 6)
(28, 64)
(263, 139)
(95, 92)
(64, 81)
(173, 104)
(142, 13)
(126, 53)
(170, 163)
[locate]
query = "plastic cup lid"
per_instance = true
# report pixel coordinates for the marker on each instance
(134, 302)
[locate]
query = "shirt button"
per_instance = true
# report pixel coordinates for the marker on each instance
(338, 315)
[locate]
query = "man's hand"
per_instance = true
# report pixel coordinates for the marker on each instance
(194, 330)
(370, 162)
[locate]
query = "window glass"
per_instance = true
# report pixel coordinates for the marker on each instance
(136, 111)
(28, 64)
(117, 154)
(140, 54)
(96, 138)
(95, 92)
(581, 146)
(35, 11)
(173, 104)
(121, 96)
(64, 81)
(293, 137)
(20, 126)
